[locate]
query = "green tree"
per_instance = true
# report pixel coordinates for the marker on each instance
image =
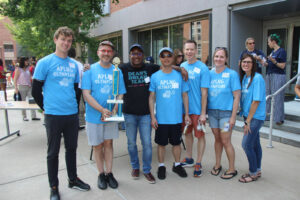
(35, 21)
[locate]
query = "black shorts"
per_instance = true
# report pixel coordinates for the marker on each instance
(168, 133)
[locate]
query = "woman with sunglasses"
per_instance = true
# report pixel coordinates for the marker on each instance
(179, 57)
(276, 77)
(258, 55)
(253, 106)
(223, 102)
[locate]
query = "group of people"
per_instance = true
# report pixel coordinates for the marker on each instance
(171, 99)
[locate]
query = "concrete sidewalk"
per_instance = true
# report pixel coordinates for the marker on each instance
(23, 170)
(23, 173)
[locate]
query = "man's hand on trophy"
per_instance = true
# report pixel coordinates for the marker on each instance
(105, 113)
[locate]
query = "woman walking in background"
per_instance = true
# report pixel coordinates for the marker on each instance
(223, 101)
(3, 79)
(22, 83)
(275, 77)
(253, 106)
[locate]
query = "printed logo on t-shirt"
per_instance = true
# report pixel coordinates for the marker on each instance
(170, 86)
(104, 79)
(105, 89)
(65, 82)
(137, 77)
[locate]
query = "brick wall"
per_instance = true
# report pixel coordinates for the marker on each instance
(6, 38)
(122, 4)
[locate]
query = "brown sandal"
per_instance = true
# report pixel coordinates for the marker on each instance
(247, 178)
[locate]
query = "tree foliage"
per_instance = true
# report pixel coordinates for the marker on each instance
(35, 21)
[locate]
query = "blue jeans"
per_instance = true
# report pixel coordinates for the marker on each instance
(143, 124)
(252, 147)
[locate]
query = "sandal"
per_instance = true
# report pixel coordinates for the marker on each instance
(247, 178)
(215, 171)
(258, 175)
(229, 174)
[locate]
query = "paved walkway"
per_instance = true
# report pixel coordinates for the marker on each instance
(23, 172)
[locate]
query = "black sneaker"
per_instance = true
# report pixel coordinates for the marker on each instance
(79, 184)
(179, 170)
(102, 184)
(54, 194)
(161, 172)
(112, 182)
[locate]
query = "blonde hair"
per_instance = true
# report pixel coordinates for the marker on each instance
(65, 31)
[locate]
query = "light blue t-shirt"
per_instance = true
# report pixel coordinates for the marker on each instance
(99, 81)
(198, 78)
(168, 90)
(59, 76)
(255, 92)
(220, 90)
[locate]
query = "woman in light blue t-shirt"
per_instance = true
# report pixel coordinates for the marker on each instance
(253, 107)
(223, 102)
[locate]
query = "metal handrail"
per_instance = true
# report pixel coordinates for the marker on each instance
(272, 107)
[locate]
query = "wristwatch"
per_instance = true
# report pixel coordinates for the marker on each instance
(245, 123)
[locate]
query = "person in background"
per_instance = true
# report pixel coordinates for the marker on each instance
(297, 87)
(149, 60)
(223, 101)
(258, 55)
(81, 109)
(253, 107)
(22, 83)
(276, 77)
(3, 79)
(179, 57)
(169, 91)
(55, 82)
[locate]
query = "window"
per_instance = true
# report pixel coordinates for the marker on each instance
(8, 48)
(159, 40)
(144, 39)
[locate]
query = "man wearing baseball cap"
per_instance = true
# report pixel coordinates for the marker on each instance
(136, 76)
(97, 88)
(169, 91)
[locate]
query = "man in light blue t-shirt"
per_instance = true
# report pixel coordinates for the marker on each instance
(169, 91)
(54, 88)
(97, 86)
(198, 83)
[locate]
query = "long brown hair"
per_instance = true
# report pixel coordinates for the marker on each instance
(253, 70)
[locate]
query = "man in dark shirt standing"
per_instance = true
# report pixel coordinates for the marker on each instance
(136, 109)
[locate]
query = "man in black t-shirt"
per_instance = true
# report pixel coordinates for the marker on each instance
(137, 75)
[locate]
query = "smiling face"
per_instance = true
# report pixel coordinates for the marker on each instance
(220, 58)
(247, 65)
(190, 51)
(63, 44)
(105, 53)
(136, 57)
(166, 58)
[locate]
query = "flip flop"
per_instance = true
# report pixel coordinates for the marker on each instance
(215, 171)
(231, 175)
(243, 178)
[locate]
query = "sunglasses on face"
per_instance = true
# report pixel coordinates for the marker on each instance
(250, 43)
(180, 56)
(136, 54)
(166, 55)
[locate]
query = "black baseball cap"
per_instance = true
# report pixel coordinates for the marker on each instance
(136, 45)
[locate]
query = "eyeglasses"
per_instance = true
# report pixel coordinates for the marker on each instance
(250, 43)
(166, 55)
(106, 51)
(136, 54)
(246, 62)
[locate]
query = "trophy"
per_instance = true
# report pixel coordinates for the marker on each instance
(117, 116)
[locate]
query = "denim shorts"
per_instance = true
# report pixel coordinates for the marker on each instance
(218, 118)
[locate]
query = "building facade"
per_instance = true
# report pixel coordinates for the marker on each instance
(218, 23)
(8, 46)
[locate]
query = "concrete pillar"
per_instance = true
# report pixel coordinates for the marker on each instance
(220, 27)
